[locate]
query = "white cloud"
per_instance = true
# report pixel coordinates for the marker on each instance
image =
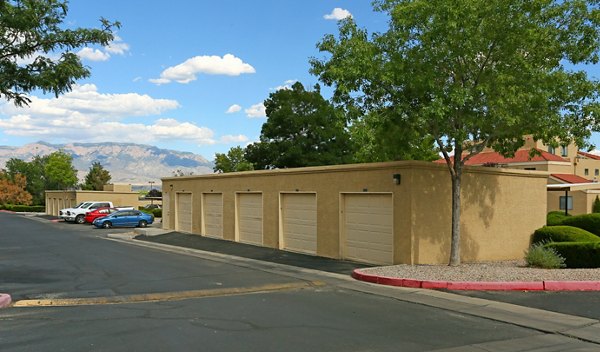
(87, 115)
(228, 139)
(93, 54)
(170, 128)
(233, 109)
(212, 65)
(338, 14)
(256, 110)
(117, 46)
(85, 100)
(286, 85)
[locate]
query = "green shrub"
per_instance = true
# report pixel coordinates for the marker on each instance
(24, 208)
(556, 218)
(562, 234)
(156, 212)
(589, 222)
(596, 205)
(540, 256)
(578, 254)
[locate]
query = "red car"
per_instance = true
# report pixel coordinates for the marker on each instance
(90, 216)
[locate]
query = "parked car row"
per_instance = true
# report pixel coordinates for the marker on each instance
(77, 213)
(106, 216)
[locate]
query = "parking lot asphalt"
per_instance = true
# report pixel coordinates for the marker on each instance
(584, 304)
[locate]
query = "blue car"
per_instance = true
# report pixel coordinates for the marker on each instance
(125, 218)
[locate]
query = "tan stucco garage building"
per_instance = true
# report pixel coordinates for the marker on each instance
(119, 195)
(382, 213)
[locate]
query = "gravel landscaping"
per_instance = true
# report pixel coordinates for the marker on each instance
(490, 271)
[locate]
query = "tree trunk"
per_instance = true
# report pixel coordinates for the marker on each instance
(455, 244)
(456, 180)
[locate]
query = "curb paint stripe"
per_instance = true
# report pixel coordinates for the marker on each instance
(164, 296)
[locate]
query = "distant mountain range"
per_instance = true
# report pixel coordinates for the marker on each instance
(127, 162)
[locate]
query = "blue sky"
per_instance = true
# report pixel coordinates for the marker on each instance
(185, 75)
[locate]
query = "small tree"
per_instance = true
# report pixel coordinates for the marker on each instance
(59, 171)
(233, 161)
(13, 191)
(34, 174)
(96, 178)
(596, 205)
(36, 53)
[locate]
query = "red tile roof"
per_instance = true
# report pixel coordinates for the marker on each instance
(521, 156)
(589, 155)
(570, 178)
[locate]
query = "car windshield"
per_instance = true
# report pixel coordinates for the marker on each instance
(83, 205)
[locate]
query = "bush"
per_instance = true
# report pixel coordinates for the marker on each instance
(156, 212)
(540, 256)
(24, 208)
(589, 222)
(596, 205)
(555, 218)
(562, 234)
(578, 254)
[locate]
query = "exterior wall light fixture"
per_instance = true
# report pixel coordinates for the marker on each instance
(397, 179)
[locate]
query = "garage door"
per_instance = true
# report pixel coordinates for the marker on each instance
(250, 218)
(299, 223)
(368, 228)
(184, 212)
(213, 215)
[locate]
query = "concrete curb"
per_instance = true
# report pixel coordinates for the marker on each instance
(5, 300)
(480, 285)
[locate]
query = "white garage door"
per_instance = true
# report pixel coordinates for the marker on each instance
(368, 228)
(250, 218)
(184, 212)
(213, 215)
(299, 222)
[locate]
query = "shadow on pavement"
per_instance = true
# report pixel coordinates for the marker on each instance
(254, 252)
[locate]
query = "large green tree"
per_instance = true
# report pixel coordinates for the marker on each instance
(59, 171)
(472, 74)
(96, 177)
(302, 129)
(37, 53)
(233, 161)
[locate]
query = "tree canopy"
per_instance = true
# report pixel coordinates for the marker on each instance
(12, 190)
(233, 161)
(34, 174)
(471, 74)
(302, 129)
(50, 172)
(36, 53)
(96, 178)
(59, 171)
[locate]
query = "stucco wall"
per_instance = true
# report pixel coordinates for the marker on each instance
(500, 208)
(56, 200)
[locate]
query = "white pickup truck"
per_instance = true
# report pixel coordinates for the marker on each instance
(77, 214)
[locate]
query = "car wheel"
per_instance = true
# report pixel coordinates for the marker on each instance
(80, 219)
(107, 225)
(143, 223)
